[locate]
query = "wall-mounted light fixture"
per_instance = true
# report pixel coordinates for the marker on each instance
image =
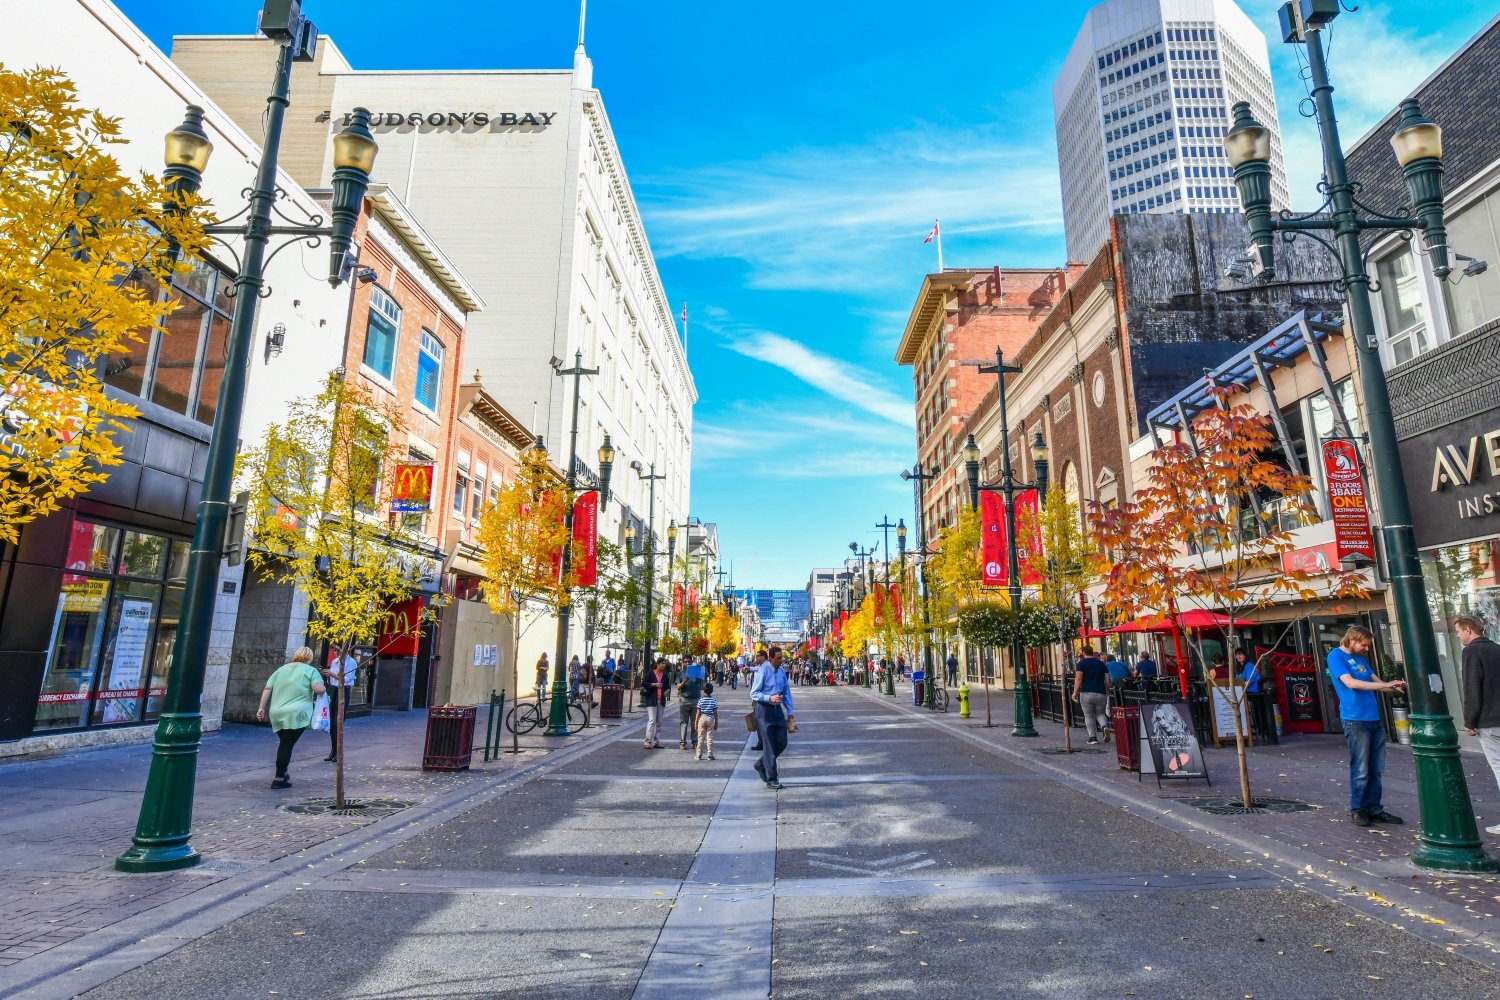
(275, 341)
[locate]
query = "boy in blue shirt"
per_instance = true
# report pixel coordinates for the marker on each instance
(707, 721)
(1355, 684)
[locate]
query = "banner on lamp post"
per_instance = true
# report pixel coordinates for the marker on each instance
(677, 596)
(879, 605)
(895, 596)
(1346, 497)
(586, 539)
(993, 571)
(1029, 538)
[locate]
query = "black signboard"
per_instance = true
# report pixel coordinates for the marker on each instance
(1302, 696)
(1167, 731)
(1453, 480)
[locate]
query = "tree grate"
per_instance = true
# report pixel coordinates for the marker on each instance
(1235, 807)
(377, 808)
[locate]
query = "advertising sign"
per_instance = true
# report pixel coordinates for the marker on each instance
(1346, 495)
(586, 539)
(1453, 480)
(1315, 560)
(411, 493)
(992, 559)
(401, 629)
(1173, 750)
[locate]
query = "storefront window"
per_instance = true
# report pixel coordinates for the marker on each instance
(113, 629)
(1461, 580)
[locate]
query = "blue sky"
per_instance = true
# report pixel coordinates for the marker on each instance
(788, 159)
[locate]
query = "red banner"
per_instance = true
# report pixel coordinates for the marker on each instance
(879, 605)
(586, 539)
(812, 642)
(400, 629)
(692, 595)
(1029, 538)
(993, 571)
(895, 596)
(1346, 495)
(1316, 560)
(677, 596)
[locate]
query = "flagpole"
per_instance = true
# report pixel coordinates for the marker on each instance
(684, 329)
(937, 227)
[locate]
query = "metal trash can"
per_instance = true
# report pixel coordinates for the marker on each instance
(450, 738)
(611, 701)
(1125, 720)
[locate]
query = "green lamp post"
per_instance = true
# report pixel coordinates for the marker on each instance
(163, 831)
(1448, 838)
(919, 478)
(1007, 487)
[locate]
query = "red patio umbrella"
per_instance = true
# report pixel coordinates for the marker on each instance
(1198, 618)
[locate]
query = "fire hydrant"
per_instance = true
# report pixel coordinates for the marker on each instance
(963, 700)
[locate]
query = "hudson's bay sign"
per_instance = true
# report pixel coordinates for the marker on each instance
(471, 120)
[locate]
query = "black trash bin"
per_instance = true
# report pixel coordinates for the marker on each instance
(611, 701)
(450, 738)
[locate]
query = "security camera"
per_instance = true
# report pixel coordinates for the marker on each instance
(1474, 267)
(555, 362)
(1241, 269)
(366, 275)
(906, 474)
(636, 465)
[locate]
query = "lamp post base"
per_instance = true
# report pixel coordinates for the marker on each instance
(1023, 724)
(161, 841)
(1449, 838)
(557, 711)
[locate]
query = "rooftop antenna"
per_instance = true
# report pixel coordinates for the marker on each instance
(583, 13)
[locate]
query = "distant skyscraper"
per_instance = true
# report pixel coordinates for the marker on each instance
(1142, 106)
(783, 613)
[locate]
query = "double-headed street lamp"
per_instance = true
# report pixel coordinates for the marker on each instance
(162, 833)
(557, 714)
(866, 586)
(1007, 488)
(919, 477)
(650, 479)
(1449, 837)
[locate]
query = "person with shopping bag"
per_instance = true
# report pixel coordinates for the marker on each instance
(298, 700)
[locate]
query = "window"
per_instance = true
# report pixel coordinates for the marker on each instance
(1474, 300)
(478, 493)
(180, 367)
(112, 634)
(1401, 304)
(429, 372)
(460, 493)
(381, 333)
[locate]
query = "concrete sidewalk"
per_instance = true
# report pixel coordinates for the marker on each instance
(69, 815)
(1369, 867)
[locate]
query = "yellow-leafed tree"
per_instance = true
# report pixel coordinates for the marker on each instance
(723, 632)
(81, 258)
(320, 492)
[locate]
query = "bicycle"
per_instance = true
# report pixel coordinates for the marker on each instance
(940, 699)
(526, 715)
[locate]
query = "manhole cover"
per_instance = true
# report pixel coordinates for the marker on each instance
(1236, 807)
(364, 808)
(1063, 753)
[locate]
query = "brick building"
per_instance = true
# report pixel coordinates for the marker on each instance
(963, 315)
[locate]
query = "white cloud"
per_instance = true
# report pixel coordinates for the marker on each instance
(853, 217)
(835, 376)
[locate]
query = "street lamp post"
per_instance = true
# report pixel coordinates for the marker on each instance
(1007, 488)
(1449, 837)
(557, 715)
(650, 479)
(671, 555)
(918, 477)
(866, 587)
(164, 828)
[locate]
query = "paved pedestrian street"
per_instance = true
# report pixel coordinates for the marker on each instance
(909, 855)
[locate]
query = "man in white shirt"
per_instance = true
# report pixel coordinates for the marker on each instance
(342, 673)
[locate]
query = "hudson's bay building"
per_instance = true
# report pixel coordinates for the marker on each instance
(517, 175)
(1141, 108)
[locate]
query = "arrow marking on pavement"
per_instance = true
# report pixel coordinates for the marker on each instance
(884, 866)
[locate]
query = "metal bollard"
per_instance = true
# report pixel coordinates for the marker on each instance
(963, 700)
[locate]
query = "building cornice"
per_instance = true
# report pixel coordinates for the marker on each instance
(929, 307)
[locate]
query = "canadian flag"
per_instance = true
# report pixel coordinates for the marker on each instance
(932, 235)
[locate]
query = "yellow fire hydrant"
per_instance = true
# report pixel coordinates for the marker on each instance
(963, 700)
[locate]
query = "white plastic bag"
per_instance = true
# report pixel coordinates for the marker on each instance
(320, 720)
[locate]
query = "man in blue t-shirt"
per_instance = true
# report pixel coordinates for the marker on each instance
(1355, 684)
(1145, 668)
(1091, 691)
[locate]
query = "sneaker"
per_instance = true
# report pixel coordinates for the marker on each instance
(1385, 817)
(1358, 818)
(711, 757)
(1093, 739)
(1493, 829)
(282, 782)
(760, 769)
(646, 746)
(773, 783)
(682, 745)
(697, 756)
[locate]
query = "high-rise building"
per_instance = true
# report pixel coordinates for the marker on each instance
(783, 613)
(1142, 106)
(820, 587)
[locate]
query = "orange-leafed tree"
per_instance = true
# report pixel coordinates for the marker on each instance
(1210, 527)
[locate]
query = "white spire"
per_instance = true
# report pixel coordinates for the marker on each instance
(583, 14)
(583, 67)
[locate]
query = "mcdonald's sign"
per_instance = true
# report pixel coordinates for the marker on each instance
(412, 490)
(401, 628)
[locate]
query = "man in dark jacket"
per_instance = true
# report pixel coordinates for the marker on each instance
(1481, 665)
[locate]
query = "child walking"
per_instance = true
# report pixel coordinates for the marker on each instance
(707, 722)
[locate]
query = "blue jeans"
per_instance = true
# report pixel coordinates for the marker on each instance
(1366, 763)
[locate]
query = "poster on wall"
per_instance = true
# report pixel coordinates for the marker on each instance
(127, 661)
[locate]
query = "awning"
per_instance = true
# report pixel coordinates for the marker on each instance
(1196, 618)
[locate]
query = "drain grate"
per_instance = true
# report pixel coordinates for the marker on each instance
(1235, 807)
(376, 808)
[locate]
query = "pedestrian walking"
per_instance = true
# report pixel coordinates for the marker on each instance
(608, 667)
(655, 689)
(755, 664)
(290, 691)
(1481, 670)
(1091, 691)
(952, 664)
(772, 698)
(707, 721)
(541, 674)
(689, 690)
(575, 677)
(1359, 710)
(340, 677)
